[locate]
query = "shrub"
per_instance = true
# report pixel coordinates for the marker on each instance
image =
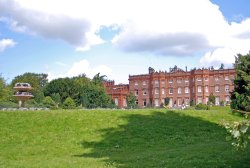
(48, 102)
(8, 104)
(69, 103)
(202, 107)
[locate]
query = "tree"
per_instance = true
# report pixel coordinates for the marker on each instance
(131, 100)
(37, 81)
(69, 103)
(221, 66)
(97, 79)
(240, 97)
(49, 102)
(211, 99)
(5, 90)
(56, 98)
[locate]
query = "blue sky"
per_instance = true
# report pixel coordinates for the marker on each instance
(118, 38)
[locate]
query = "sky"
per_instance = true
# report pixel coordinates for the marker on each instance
(118, 38)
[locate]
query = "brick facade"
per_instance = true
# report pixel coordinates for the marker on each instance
(117, 92)
(180, 86)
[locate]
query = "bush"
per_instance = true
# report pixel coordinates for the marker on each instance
(69, 103)
(8, 104)
(202, 107)
(48, 102)
(192, 103)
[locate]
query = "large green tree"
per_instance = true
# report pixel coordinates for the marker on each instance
(84, 92)
(37, 81)
(5, 91)
(241, 95)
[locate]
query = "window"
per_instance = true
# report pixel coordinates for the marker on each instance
(144, 83)
(163, 82)
(156, 102)
(206, 89)
(186, 90)
(199, 79)
(136, 92)
(199, 89)
(136, 83)
(170, 90)
(227, 88)
(217, 101)
(227, 99)
(116, 101)
(144, 92)
(179, 90)
(124, 103)
(217, 88)
(171, 81)
(156, 82)
(186, 81)
(206, 100)
(226, 78)
(187, 101)
(216, 78)
(162, 91)
(206, 78)
(179, 80)
(144, 102)
(199, 100)
(179, 102)
(136, 102)
(156, 90)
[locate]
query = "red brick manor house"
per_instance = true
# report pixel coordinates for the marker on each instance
(178, 85)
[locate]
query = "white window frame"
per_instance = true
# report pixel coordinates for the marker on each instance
(199, 89)
(217, 88)
(171, 89)
(206, 89)
(144, 92)
(162, 91)
(136, 83)
(156, 102)
(136, 92)
(226, 77)
(179, 80)
(170, 81)
(227, 88)
(156, 90)
(179, 90)
(199, 99)
(186, 90)
(144, 83)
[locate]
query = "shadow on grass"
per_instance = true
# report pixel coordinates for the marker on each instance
(165, 140)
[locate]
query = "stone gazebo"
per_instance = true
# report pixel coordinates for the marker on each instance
(22, 92)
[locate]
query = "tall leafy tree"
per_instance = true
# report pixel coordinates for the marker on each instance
(5, 91)
(131, 100)
(241, 95)
(37, 81)
(98, 79)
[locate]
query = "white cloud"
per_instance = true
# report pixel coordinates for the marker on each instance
(6, 43)
(83, 67)
(165, 27)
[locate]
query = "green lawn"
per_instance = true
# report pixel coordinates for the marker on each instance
(118, 138)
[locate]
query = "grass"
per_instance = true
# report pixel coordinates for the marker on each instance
(118, 138)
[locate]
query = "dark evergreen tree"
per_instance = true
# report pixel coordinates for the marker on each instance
(241, 95)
